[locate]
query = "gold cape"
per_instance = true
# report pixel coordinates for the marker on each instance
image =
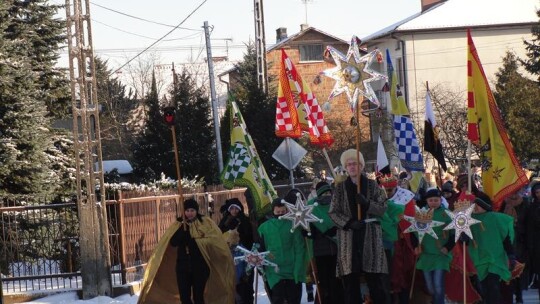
(159, 282)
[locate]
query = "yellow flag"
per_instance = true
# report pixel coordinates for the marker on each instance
(501, 171)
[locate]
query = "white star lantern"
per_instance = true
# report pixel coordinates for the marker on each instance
(354, 74)
(462, 221)
(422, 223)
(300, 214)
(254, 258)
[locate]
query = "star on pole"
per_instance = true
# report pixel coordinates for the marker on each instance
(300, 214)
(254, 258)
(462, 221)
(422, 223)
(353, 73)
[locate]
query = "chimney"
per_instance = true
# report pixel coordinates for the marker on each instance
(426, 4)
(304, 26)
(281, 34)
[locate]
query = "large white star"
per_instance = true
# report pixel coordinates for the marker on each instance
(421, 223)
(254, 258)
(462, 221)
(300, 214)
(353, 73)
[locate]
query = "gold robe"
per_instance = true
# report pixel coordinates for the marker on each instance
(159, 282)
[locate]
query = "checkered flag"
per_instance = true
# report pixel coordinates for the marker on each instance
(239, 161)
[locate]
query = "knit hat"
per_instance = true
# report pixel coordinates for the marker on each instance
(322, 188)
(292, 196)
(191, 204)
(233, 203)
(432, 192)
(277, 202)
(448, 186)
(483, 201)
(351, 154)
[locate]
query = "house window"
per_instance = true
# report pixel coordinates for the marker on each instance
(311, 52)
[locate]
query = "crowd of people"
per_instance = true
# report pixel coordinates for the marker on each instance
(364, 249)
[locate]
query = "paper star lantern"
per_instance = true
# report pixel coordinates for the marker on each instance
(300, 214)
(254, 258)
(354, 74)
(461, 217)
(422, 223)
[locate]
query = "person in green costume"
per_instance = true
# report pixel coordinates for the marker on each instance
(288, 251)
(491, 251)
(434, 255)
(324, 247)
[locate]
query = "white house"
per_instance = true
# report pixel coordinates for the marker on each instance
(432, 44)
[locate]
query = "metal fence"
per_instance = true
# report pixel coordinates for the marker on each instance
(39, 244)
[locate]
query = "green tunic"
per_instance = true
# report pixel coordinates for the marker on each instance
(321, 211)
(431, 257)
(487, 250)
(287, 250)
(390, 220)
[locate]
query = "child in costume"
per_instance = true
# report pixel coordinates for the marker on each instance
(288, 251)
(324, 246)
(434, 255)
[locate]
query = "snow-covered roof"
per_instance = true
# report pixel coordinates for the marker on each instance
(466, 13)
(122, 165)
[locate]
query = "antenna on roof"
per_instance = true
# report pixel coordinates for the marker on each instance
(305, 7)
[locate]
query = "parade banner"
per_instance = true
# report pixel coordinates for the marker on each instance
(409, 151)
(501, 171)
(244, 167)
(432, 141)
(297, 108)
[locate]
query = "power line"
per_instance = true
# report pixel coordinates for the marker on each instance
(157, 41)
(142, 36)
(142, 19)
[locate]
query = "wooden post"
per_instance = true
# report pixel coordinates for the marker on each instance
(178, 176)
(358, 179)
(121, 237)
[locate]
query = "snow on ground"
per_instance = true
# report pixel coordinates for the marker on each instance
(529, 296)
(71, 297)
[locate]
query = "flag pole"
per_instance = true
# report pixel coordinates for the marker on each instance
(469, 175)
(329, 163)
(291, 172)
(464, 272)
(358, 179)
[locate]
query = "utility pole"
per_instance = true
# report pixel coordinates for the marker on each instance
(260, 45)
(213, 96)
(93, 239)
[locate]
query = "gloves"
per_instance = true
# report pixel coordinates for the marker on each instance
(356, 225)
(512, 262)
(463, 238)
(331, 232)
(361, 199)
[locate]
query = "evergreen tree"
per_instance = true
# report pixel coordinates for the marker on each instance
(517, 99)
(34, 22)
(153, 152)
(259, 112)
(116, 140)
(24, 133)
(532, 65)
(195, 132)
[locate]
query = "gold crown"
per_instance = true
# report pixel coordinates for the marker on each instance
(387, 179)
(423, 216)
(462, 204)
